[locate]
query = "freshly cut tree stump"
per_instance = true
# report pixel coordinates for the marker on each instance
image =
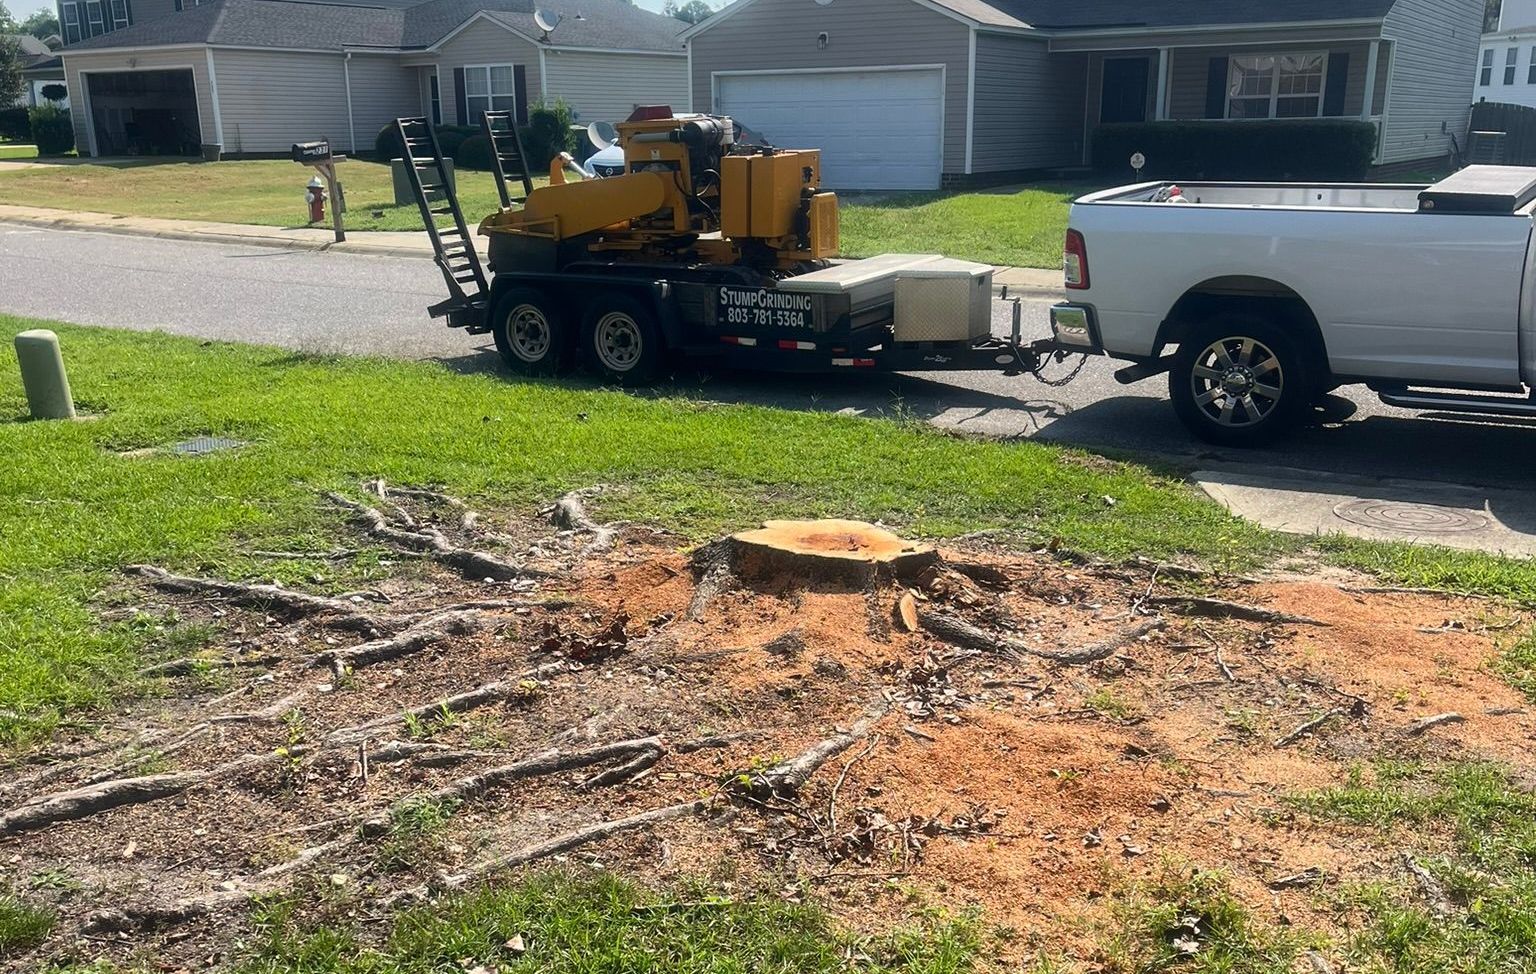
(829, 550)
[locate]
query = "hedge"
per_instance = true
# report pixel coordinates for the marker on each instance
(386, 145)
(52, 130)
(1282, 149)
(14, 125)
(547, 134)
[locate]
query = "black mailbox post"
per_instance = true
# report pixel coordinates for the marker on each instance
(310, 153)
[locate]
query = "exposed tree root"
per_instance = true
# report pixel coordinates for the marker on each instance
(469, 518)
(1420, 727)
(78, 803)
(1304, 729)
(468, 561)
(962, 633)
(1222, 609)
(549, 762)
(143, 917)
(482, 696)
(336, 612)
(715, 574)
(639, 763)
(420, 636)
(785, 780)
(570, 514)
(187, 665)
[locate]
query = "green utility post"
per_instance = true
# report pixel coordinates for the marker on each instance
(42, 375)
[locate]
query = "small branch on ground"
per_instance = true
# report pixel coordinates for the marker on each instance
(1429, 723)
(1222, 609)
(1307, 728)
(785, 780)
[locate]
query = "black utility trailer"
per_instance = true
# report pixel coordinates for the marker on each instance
(893, 313)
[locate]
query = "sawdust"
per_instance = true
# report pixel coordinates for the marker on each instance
(1028, 789)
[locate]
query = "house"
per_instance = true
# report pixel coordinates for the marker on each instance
(39, 68)
(251, 77)
(1506, 61)
(915, 94)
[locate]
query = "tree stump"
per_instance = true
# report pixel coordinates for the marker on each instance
(829, 550)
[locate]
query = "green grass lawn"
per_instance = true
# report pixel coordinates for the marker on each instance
(9, 152)
(1022, 226)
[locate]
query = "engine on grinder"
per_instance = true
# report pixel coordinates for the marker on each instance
(690, 194)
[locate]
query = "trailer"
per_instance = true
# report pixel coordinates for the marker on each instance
(594, 274)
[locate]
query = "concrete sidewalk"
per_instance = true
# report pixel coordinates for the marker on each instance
(1025, 281)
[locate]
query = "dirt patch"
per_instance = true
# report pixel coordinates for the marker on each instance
(595, 687)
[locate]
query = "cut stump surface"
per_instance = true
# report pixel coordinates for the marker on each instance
(832, 548)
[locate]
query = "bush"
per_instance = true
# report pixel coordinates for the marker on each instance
(386, 145)
(55, 92)
(474, 153)
(547, 134)
(52, 130)
(14, 125)
(1296, 149)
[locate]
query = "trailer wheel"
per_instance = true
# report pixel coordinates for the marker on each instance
(1239, 380)
(530, 332)
(622, 340)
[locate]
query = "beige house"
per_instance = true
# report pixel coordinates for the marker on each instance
(251, 77)
(914, 94)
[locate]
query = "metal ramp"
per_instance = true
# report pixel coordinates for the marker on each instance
(452, 246)
(508, 160)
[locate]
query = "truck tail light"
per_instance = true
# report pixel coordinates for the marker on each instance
(1074, 261)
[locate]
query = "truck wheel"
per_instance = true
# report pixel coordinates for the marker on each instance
(530, 332)
(1239, 381)
(622, 340)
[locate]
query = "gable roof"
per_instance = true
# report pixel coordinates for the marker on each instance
(1087, 15)
(339, 25)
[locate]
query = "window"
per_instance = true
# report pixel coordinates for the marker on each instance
(1530, 73)
(97, 23)
(437, 99)
(71, 13)
(1276, 85)
(488, 89)
(1511, 58)
(120, 18)
(1485, 77)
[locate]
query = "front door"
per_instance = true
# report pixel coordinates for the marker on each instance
(1124, 98)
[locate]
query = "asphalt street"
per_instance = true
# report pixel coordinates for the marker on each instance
(349, 304)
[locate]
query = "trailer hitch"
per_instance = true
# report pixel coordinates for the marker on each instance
(1033, 357)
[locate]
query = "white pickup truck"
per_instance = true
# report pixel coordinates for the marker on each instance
(1276, 293)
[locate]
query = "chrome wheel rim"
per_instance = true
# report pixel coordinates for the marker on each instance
(618, 342)
(1237, 382)
(528, 333)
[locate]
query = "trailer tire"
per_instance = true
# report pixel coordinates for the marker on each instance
(1240, 380)
(530, 332)
(621, 339)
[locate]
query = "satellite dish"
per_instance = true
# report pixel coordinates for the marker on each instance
(602, 135)
(547, 20)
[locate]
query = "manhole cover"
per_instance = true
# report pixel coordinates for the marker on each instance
(205, 444)
(1408, 518)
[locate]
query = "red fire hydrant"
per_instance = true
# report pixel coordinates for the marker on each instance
(314, 195)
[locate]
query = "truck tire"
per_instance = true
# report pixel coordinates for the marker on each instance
(530, 332)
(621, 339)
(1239, 380)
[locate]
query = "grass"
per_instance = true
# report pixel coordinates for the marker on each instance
(602, 924)
(1517, 665)
(22, 925)
(1020, 226)
(17, 152)
(76, 511)
(1474, 826)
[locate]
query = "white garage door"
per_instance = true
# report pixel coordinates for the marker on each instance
(878, 129)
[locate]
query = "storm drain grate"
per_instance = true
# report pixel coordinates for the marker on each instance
(199, 445)
(1408, 518)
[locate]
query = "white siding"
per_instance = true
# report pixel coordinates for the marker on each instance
(382, 91)
(1514, 14)
(272, 99)
(776, 35)
(1434, 51)
(76, 64)
(1522, 91)
(607, 87)
(485, 43)
(1029, 105)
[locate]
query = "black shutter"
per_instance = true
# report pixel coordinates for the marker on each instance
(1338, 83)
(520, 89)
(460, 101)
(1216, 88)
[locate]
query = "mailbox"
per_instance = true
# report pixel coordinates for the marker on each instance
(310, 153)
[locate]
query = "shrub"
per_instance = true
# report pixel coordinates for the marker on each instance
(55, 92)
(474, 153)
(386, 145)
(547, 134)
(1321, 149)
(14, 125)
(52, 130)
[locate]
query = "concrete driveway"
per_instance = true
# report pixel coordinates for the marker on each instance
(1360, 467)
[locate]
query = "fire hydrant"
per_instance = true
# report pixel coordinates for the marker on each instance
(314, 195)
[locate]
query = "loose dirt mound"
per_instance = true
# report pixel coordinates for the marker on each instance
(1040, 738)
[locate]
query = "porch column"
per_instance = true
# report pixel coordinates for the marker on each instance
(1370, 80)
(1160, 112)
